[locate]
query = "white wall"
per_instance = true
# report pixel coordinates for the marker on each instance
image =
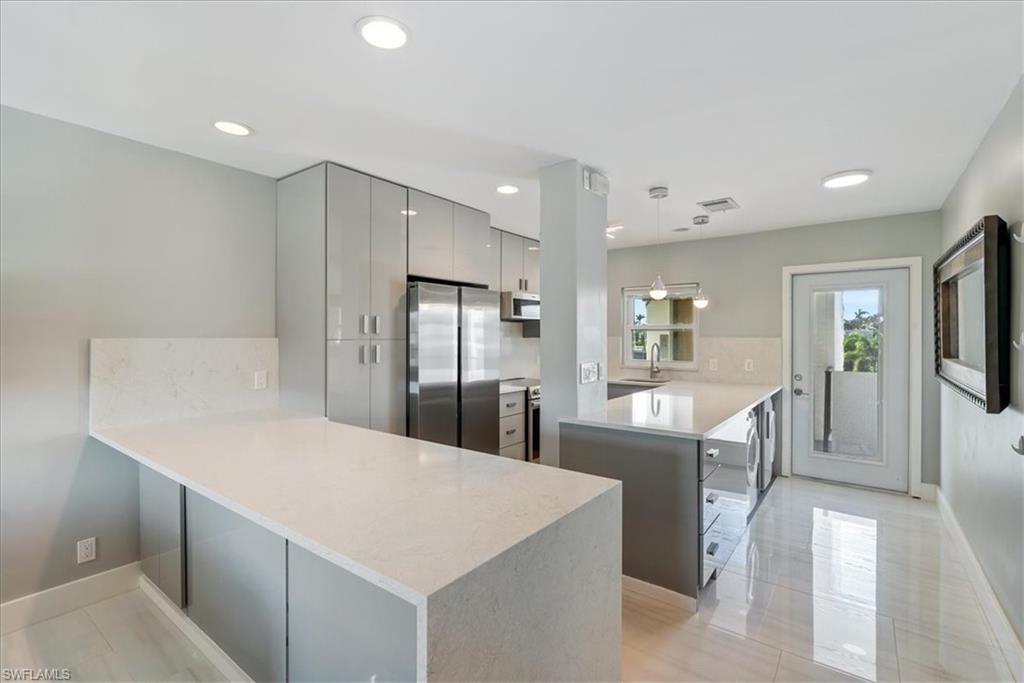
(104, 237)
(983, 479)
(742, 277)
(520, 356)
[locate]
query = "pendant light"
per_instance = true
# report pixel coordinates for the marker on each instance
(658, 291)
(700, 301)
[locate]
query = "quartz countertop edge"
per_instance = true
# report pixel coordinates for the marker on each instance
(446, 463)
(704, 408)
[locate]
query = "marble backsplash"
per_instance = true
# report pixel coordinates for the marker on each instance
(132, 381)
(731, 354)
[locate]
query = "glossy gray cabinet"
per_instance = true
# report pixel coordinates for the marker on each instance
(387, 385)
(348, 382)
(531, 265)
(430, 236)
(511, 262)
(161, 509)
(343, 628)
(471, 253)
(236, 586)
(348, 253)
(494, 260)
(388, 255)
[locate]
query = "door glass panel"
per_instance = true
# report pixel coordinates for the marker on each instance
(845, 366)
(672, 345)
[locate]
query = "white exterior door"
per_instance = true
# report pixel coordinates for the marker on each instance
(851, 377)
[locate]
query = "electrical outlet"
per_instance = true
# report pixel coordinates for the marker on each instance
(259, 379)
(588, 373)
(713, 365)
(748, 365)
(87, 550)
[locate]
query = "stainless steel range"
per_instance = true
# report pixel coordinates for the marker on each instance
(532, 386)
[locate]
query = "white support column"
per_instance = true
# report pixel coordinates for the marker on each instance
(574, 274)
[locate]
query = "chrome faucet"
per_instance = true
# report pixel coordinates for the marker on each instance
(655, 358)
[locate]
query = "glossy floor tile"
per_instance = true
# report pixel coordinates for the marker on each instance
(124, 638)
(841, 583)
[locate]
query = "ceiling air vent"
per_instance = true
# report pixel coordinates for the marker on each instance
(723, 204)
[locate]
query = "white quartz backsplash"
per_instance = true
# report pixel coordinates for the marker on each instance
(731, 353)
(133, 381)
(520, 356)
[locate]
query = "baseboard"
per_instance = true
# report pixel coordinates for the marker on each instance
(669, 597)
(927, 491)
(196, 635)
(1009, 643)
(31, 609)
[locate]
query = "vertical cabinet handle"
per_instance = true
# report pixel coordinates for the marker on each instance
(362, 354)
(364, 324)
(376, 354)
(376, 324)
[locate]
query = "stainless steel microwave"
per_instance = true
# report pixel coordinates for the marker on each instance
(520, 306)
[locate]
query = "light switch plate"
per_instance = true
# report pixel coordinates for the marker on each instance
(713, 365)
(259, 379)
(748, 365)
(588, 372)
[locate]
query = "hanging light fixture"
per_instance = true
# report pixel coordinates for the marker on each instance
(658, 291)
(700, 301)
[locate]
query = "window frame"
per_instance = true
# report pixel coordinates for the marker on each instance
(627, 327)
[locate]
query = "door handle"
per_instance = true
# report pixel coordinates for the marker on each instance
(364, 324)
(376, 354)
(712, 548)
(376, 324)
(712, 497)
(511, 405)
(526, 284)
(510, 432)
(800, 392)
(362, 354)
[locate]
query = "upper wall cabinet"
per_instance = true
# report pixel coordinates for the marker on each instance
(366, 247)
(520, 263)
(472, 235)
(430, 236)
(494, 260)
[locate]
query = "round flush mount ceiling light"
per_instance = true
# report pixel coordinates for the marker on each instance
(232, 128)
(507, 189)
(846, 178)
(382, 32)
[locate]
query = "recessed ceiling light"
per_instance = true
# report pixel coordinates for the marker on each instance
(507, 189)
(409, 212)
(846, 178)
(533, 248)
(609, 235)
(232, 128)
(382, 32)
(614, 228)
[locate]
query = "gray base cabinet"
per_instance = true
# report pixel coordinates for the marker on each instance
(160, 532)
(342, 628)
(236, 586)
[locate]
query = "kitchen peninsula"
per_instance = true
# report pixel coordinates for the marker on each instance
(311, 550)
(690, 457)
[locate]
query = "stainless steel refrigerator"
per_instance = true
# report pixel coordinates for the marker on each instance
(453, 365)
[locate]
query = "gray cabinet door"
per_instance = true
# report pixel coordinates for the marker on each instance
(387, 385)
(348, 253)
(348, 382)
(160, 532)
(343, 628)
(511, 262)
(430, 236)
(472, 230)
(531, 265)
(494, 260)
(236, 586)
(388, 255)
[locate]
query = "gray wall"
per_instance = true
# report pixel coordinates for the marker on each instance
(742, 276)
(983, 479)
(104, 237)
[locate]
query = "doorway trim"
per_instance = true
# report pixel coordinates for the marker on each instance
(917, 488)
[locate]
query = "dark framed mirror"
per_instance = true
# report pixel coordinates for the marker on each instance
(972, 315)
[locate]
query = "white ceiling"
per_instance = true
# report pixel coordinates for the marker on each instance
(755, 100)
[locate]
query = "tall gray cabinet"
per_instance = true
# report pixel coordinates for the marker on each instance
(520, 263)
(343, 236)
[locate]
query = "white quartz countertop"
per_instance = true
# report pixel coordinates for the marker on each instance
(506, 388)
(687, 409)
(407, 515)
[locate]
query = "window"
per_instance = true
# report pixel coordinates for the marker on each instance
(670, 323)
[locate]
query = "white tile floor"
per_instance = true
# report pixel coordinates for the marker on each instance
(124, 638)
(828, 584)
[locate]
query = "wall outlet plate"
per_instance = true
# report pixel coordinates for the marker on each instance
(713, 365)
(748, 365)
(86, 550)
(588, 372)
(259, 379)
